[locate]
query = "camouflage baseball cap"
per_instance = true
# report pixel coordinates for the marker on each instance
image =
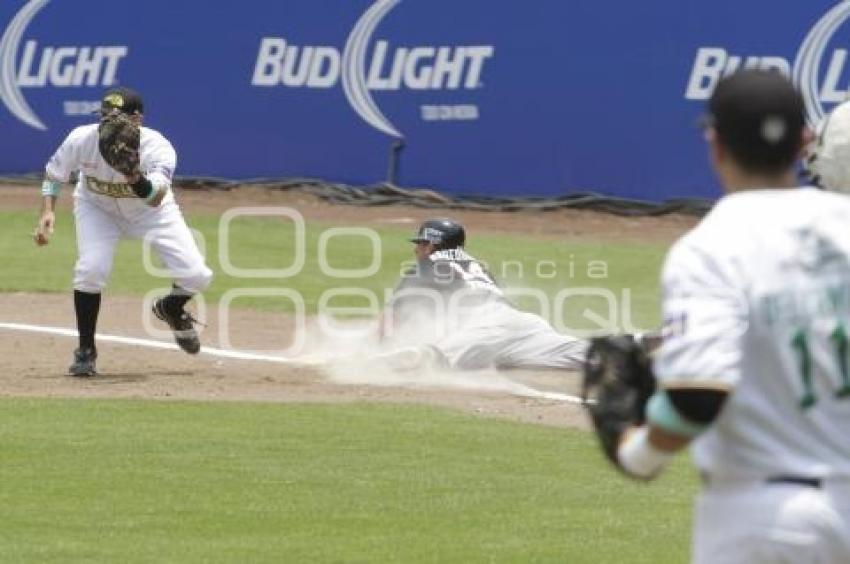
(125, 99)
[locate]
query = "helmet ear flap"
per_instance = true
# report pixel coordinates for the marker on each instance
(461, 238)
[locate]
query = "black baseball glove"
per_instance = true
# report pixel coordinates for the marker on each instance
(618, 382)
(118, 141)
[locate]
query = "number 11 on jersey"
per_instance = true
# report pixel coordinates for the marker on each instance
(839, 341)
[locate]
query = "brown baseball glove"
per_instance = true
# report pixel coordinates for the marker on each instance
(118, 141)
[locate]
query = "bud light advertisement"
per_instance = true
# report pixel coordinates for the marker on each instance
(475, 97)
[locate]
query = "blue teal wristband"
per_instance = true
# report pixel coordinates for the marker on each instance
(661, 413)
(50, 188)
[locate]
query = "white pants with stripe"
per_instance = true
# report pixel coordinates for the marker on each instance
(498, 335)
(101, 221)
(778, 523)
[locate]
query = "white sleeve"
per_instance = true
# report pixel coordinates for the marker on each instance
(705, 317)
(65, 160)
(159, 162)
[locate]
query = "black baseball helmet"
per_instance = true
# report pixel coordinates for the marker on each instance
(443, 233)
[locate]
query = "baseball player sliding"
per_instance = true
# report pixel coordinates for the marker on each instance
(451, 302)
(123, 190)
(753, 370)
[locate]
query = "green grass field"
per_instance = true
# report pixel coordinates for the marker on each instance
(630, 271)
(135, 481)
(147, 481)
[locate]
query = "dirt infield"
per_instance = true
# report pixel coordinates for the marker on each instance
(36, 363)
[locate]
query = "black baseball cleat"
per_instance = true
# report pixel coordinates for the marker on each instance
(84, 363)
(182, 324)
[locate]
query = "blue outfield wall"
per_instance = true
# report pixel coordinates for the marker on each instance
(503, 98)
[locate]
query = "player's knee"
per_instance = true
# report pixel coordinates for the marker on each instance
(196, 281)
(90, 277)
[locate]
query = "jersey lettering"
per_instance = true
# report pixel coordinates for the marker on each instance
(800, 344)
(474, 276)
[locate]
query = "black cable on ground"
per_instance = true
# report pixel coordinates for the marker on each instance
(386, 194)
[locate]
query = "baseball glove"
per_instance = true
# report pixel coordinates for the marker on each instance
(618, 382)
(118, 141)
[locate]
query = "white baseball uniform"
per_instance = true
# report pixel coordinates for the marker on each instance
(757, 302)
(106, 210)
(452, 303)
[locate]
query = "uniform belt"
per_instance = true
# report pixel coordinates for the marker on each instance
(798, 480)
(807, 481)
(111, 189)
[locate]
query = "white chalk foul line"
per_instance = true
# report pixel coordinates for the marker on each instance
(212, 351)
(520, 390)
(555, 396)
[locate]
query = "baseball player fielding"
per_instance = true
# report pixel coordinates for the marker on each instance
(133, 200)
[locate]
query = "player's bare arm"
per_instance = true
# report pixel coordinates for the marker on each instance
(47, 216)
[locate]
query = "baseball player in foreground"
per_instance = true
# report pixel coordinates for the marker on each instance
(123, 190)
(452, 303)
(753, 370)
